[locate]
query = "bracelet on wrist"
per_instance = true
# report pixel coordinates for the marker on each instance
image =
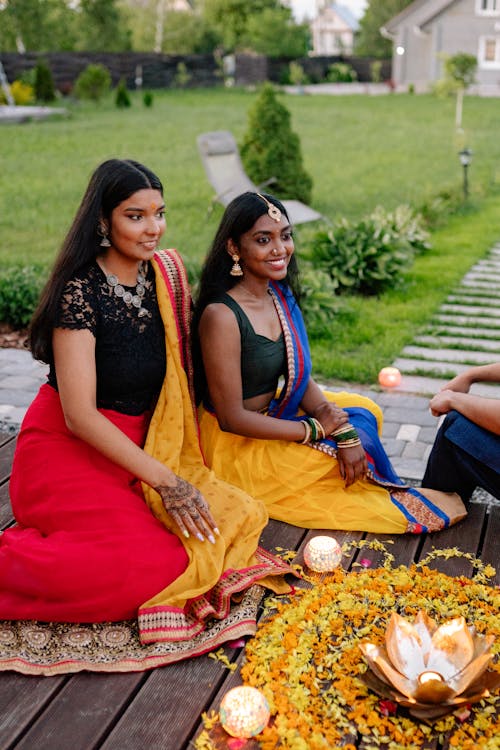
(317, 430)
(307, 431)
(349, 443)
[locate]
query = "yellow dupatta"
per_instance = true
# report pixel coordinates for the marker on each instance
(215, 572)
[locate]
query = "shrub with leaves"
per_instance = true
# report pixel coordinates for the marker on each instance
(376, 71)
(341, 73)
(93, 82)
(318, 300)
(403, 222)
(44, 83)
(373, 254)
(270, 149)
(122, 98)
(182, 75)
(437, 208)
(296, 74)
(147, 99)
(20, 288)
(22, 93)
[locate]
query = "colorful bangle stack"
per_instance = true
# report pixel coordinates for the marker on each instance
(346, 436)
(313, 430)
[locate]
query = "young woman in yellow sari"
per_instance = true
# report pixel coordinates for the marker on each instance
(313, 457)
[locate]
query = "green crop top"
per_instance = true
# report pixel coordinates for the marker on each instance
(262, 360)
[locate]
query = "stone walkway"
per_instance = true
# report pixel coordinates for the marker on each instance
(465, 331)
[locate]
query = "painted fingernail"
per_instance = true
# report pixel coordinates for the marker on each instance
(186, 533)
(200, 537)
(216, 530)
(211, 538)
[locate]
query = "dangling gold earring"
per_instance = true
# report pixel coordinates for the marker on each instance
(236, 269)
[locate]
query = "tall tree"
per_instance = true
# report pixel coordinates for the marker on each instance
(37, 25)
(273, 32)
(103, 27)
(230, 18)
(370, 42)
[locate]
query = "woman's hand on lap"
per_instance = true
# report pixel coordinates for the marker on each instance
(352, 463)
(330, 416)
(189, 509)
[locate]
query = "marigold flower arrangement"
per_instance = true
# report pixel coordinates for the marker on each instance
(307, 661)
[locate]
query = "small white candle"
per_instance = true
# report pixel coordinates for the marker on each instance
(322, 554)
(244, 712)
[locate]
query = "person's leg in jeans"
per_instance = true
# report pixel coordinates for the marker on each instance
(452, 469)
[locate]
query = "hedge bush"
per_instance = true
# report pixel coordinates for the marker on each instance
(93, 82)
(341, 73)
(22, 93)
(20, 288)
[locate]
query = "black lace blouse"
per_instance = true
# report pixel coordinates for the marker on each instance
(130, 351)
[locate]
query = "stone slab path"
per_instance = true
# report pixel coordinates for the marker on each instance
(464, 331)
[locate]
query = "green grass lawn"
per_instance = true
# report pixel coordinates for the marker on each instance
(361, 152)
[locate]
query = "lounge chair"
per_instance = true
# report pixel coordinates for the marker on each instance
(225, 172)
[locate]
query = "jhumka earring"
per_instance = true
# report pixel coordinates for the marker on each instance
(236, 269)
(102, 231)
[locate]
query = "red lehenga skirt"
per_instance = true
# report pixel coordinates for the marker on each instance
(86, 547)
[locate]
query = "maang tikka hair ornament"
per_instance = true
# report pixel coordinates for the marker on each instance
(236, 269)
(272, 211)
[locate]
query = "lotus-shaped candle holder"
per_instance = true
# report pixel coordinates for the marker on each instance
(428, 669)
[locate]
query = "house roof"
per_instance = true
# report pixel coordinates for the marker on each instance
(419, 12)
(345, 15)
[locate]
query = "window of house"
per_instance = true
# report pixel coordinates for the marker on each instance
(489, 52)
(488, 7)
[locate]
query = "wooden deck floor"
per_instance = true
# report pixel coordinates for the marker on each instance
(161, 709)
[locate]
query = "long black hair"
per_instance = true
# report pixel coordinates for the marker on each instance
(113, 181)
(215, 279)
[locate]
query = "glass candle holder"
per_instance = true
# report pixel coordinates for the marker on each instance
(389, 377)
(322, 554)
(244, 712)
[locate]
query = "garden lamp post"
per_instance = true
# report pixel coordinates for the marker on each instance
(465, 156)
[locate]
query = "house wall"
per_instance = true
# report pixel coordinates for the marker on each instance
(459, 28)
(331, 35)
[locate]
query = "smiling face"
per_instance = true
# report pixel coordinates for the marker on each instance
(136, 226)
(265, 250)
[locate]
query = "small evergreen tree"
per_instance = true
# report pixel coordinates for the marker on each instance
(43, 83)
(271, 149)
(122, 98)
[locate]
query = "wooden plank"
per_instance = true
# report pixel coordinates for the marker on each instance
(165, 712)
(22, 698)
(6, 517)
(6, 456)
(466, 536)
(490, 552)
(83, 712)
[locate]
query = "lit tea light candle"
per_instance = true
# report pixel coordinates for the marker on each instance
(322, 554)
(244, 712)
(430, 676)
(389, 377)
